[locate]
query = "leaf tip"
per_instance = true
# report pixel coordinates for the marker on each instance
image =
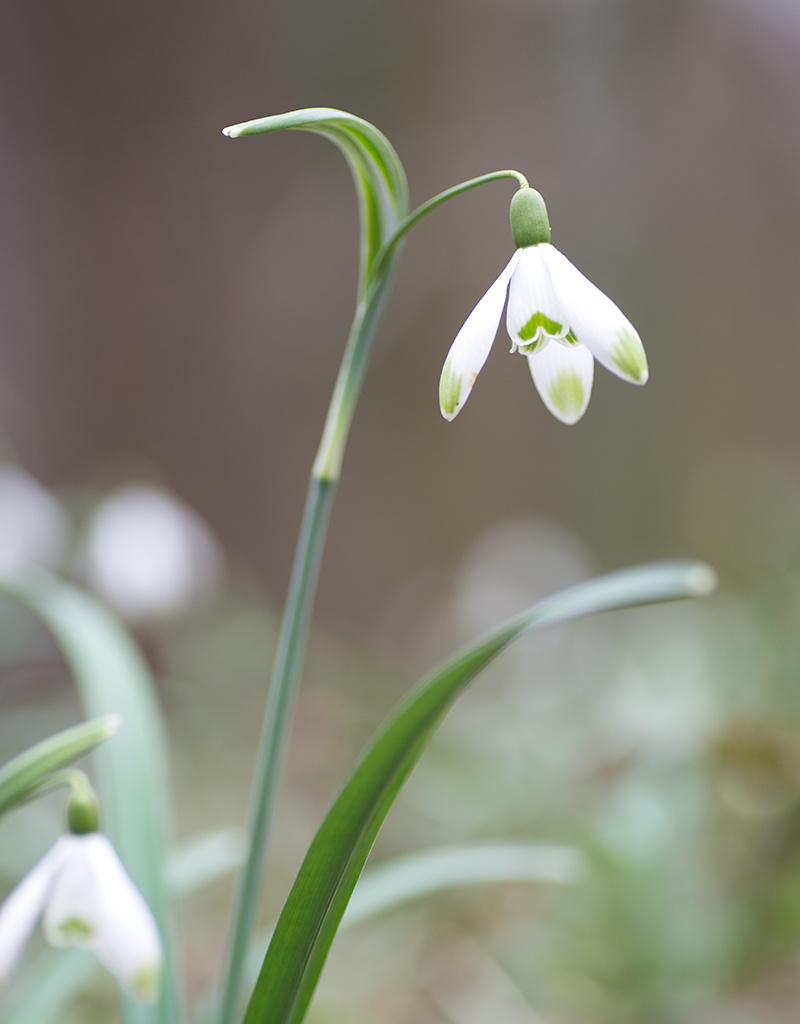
(702, 580)
(111, 724)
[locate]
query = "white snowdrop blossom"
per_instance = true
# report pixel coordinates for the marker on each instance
(556, 318)
(85, 898)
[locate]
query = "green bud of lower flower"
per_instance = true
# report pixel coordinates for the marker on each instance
(529, 223)
(82, 811)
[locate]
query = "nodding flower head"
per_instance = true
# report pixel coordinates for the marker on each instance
(556, 318)
(85, 898)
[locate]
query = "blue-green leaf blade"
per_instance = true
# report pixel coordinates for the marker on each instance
(417, 875)
(378, 174)
(329, 873)
(112, 677)
(25, 774)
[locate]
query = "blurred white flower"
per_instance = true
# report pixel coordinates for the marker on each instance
(148, 554)
(556, 318)
(33, 526)
(85, 898)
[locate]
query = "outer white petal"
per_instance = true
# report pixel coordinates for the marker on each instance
(96, 905)
(596, 321)
(127, 940)
(534, 309)
(473, 343)
(24, 905)
(563, 377)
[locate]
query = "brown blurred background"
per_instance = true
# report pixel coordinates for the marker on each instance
(173, 307)
(179, 299)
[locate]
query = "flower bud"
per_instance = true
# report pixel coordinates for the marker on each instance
(529, 223)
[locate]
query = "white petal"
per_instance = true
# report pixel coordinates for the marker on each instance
(126, 938)
(596, 321)
(24, 905)
(70, 916)
(473, 343)
(563, 377)
(534, 309)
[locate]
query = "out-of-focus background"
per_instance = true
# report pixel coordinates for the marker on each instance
(173, 306)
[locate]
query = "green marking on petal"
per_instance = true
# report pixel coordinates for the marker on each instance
(572, 337)
(628, 355)
(147, 982)
(449, 391)
(540, 321)
(567, 393)
(75, 930)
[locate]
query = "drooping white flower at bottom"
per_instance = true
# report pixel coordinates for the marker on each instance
(85, 898)
(556, 317)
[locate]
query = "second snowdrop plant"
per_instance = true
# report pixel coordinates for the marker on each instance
(556, 318)
(84, 897)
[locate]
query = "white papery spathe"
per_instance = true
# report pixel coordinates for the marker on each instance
(556, 318)
(85, 898)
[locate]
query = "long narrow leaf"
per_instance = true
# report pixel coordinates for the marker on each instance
(337, 854)
(416, 875)
(50, 985)
(24, 774)
(377, 172)
(132, 776)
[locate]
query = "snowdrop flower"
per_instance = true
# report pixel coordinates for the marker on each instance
(556, 318)
(85, 898)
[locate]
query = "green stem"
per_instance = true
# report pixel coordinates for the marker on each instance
(417, 215)
(286, 670)
(297, 614)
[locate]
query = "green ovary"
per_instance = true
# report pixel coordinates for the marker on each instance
(540, 320)
(567, 393)
(629, 356)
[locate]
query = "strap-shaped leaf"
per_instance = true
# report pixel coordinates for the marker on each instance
(336, 857)
(26, 773)
(377, 172)
(132, 776)
(417, 875)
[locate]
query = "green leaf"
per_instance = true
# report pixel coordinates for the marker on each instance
(408, 878)
(204, 858)
(132, 775)
(50, 983)
(416, 875)
(329, 873)
(377, 172)
(25, 774)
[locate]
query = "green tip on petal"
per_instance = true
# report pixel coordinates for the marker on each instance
(449, 391)
(629, 358)
(146, 983)
(529, 223)
(568, 396)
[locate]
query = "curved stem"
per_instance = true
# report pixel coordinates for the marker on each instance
(422, 211)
